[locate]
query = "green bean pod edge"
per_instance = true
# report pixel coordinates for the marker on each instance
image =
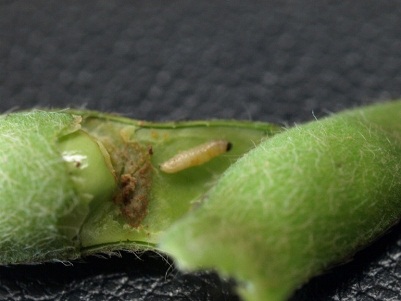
(297, 204)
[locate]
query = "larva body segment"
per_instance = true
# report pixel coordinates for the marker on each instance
(195, 156)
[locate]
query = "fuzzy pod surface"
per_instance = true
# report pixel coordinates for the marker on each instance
(31, 171)
(298, 203)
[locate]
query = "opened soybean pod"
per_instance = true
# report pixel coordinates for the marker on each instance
(289, 208)
(75, 183)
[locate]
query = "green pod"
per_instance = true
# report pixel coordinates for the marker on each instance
(74, 183)
(298, 203)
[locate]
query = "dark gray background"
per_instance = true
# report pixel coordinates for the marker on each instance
(275, 61)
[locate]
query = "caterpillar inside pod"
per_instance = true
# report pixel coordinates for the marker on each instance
(195, 156)
(75, 182)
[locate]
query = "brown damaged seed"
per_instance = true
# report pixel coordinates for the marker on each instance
(134, 207)
(134, 183)
(133, 170)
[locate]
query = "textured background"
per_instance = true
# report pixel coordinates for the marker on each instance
(274, 61)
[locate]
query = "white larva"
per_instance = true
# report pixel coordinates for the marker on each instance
(195, 156)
